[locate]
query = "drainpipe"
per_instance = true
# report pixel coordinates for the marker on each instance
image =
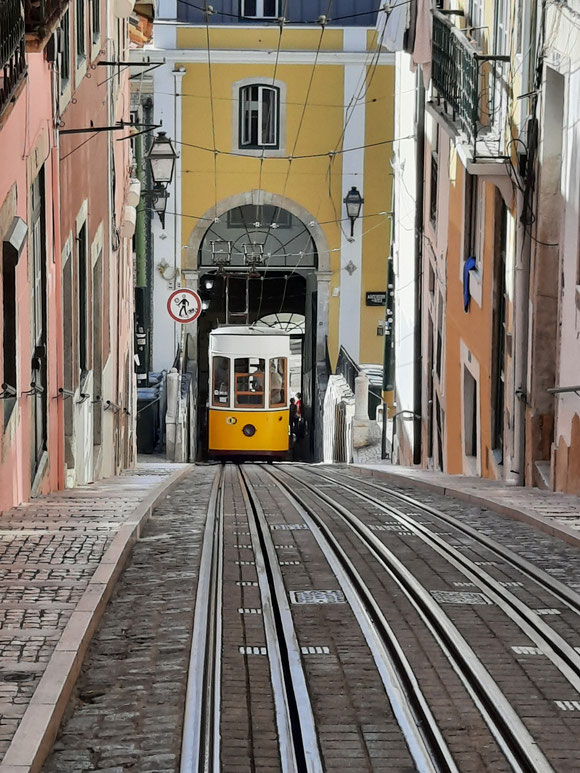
(389, 375)
(417, 375)
(141, 258)
(516, 473)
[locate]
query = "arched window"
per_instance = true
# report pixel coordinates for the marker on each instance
(259, 9)
(259, 116)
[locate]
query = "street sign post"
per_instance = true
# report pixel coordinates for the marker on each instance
(184, 305)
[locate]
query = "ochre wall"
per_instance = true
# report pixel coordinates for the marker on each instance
(473, 327)
(306, 181)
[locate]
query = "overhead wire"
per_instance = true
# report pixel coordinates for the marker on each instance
(271, 106)
(323, 154)
(274, 20)
(322, 22)
(350, 110)
(324, 105)
(366, 81)
(208, 12)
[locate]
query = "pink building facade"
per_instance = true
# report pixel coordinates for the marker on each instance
(31, 443)
(66, 271)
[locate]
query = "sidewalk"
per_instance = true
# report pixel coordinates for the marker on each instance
(60, 557)
(551, 512)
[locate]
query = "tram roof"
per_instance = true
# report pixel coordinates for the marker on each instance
(248, 330)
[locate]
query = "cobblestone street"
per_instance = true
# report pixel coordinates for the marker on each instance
(123, 686)
(59, 558)
(127, 710)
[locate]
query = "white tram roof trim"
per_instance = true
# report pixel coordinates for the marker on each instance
(247, 330)
(243, 341)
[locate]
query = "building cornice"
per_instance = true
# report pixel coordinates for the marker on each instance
(268, 56)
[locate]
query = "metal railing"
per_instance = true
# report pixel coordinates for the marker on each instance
(12, 49)
(347, 367)
(40, 14)
(469, 86)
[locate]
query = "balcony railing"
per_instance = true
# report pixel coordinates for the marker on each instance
(41, 15)
(12, 50)
(470, 87)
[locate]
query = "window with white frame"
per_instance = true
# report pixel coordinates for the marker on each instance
(477, 19)
(95, 21)
(64, 50)
(259, 116)
(502, 26)
(259, 9)
(80, 30)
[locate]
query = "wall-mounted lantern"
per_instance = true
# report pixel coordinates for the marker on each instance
(353, 202)
(161, 158)
(159, 198)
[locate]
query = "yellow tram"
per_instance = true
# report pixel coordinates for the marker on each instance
(248, 392)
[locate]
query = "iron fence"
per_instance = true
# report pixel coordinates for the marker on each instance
(40, 14)
(470, 87)
(12, 49)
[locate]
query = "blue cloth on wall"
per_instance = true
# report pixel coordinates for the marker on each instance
(468, 266)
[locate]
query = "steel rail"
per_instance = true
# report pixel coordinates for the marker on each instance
(563, 656)
(298, 740)
(200, 748)
(551, 584)
(506, 726)
(410, 708)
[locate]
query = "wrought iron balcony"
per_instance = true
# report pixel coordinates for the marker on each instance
(42, 15)
(12, 50)
(470, 88)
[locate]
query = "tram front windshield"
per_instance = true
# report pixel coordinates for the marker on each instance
(249, 382)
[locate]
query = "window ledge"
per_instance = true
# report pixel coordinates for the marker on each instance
(476, 286)
(258, 152)
(485, 167)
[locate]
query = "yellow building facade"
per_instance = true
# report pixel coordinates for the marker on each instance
(308, 168)
(275, 125)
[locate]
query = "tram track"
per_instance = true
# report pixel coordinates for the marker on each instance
(561, 592)
(297, 739)
(325, 505)
(505, 725)
(200, 749)
(552, 644)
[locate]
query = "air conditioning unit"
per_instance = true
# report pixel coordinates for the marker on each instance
(128, 222)
(124, 8)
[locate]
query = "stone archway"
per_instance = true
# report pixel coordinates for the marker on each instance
(258, 198)
(320, 283)
(262, 197)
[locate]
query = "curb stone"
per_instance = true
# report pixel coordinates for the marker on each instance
(40, 723)
(474, 497)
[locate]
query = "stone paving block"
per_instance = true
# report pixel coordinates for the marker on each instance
(49, 551)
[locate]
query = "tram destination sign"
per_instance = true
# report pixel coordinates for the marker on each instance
(184, 305)
(376, 299)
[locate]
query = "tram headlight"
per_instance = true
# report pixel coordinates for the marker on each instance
(249, 430)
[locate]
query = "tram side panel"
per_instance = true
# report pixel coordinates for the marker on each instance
(249, 405)
(269, 432)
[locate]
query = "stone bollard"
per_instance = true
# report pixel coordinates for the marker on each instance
(172, 415)
(361, 423)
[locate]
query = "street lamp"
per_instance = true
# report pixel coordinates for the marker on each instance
(353, 202)
(221, 254)
(161, 159)
(159, 198)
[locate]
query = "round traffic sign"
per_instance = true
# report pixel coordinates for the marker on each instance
(184, 305)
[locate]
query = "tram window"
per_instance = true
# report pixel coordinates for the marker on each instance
(221, 381)
(249, 381)
(277, 381)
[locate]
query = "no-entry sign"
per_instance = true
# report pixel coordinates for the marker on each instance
(184, 305)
